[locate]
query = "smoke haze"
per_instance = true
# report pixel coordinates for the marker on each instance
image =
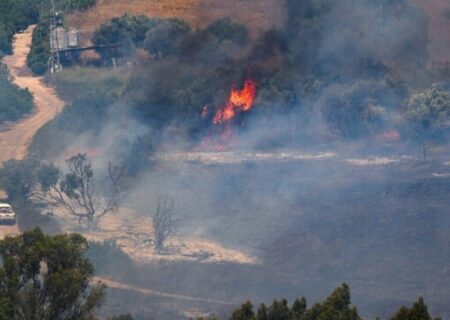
(320, 180)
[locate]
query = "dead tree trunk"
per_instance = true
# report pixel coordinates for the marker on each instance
(163, 221)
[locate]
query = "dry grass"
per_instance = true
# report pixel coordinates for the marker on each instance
(256, 14)
(134, 235)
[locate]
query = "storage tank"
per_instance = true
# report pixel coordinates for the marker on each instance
(58, 38)
(73, 38)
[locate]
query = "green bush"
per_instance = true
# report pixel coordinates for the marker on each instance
(5, 41)
(39, 54)
(14, 101)
(162, 40)
(127, 30)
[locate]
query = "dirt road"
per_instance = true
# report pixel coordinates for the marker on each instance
(15, 140)
(149, 292)
(16, 137)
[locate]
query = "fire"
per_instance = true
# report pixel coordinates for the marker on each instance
(239, 101)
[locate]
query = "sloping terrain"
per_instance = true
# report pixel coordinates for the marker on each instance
(257, 15)
(15, 139)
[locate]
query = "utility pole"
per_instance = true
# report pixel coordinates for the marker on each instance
(55, 65)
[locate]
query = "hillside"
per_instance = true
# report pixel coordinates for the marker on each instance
(207, 167)
(257, 15)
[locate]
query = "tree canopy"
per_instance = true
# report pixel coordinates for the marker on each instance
(14, 101)
(336, 307)
(47, 277)
(428, 112)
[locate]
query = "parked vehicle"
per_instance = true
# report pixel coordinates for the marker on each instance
(7, 214)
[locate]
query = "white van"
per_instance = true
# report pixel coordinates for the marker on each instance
(7, 214)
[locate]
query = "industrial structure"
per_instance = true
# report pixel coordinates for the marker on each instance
(65, 45)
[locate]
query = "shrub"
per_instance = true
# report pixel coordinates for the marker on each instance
(14, 101)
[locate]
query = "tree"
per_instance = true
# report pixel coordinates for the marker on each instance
(298, 308)
(14, 101)
(47, 277)
(76, 193)
(37, 59)
(17, 178)
(226, 29)
(162, 40)
(245, 312)
(419, 311)
(427, 114)
(279, 310)
(261, 314)
(335, 307)
(127, 30)
(164, 221)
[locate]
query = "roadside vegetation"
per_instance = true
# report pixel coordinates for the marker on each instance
(14, 101)
(78, 192)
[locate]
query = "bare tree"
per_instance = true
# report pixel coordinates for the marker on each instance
(164, 221)
(76, 192)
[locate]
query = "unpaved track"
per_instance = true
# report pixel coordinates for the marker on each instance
(15, 140)
(16, 137)
(149, 292)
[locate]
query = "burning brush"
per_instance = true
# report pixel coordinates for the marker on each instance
(240, 100)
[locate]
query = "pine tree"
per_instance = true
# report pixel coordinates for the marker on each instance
(298, 308)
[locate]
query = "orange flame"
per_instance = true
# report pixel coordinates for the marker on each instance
(239, 101)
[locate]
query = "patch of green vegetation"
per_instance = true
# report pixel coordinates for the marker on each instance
(37, 59)
(61, 290)
(128, 30)
(14, 101)
(336, 307)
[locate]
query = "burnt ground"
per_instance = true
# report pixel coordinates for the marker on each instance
(383, 229)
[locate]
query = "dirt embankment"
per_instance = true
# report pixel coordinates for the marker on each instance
(16, 137)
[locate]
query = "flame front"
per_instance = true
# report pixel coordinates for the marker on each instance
(239, 101)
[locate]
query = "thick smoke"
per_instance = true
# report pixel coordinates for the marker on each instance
(305, 183)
